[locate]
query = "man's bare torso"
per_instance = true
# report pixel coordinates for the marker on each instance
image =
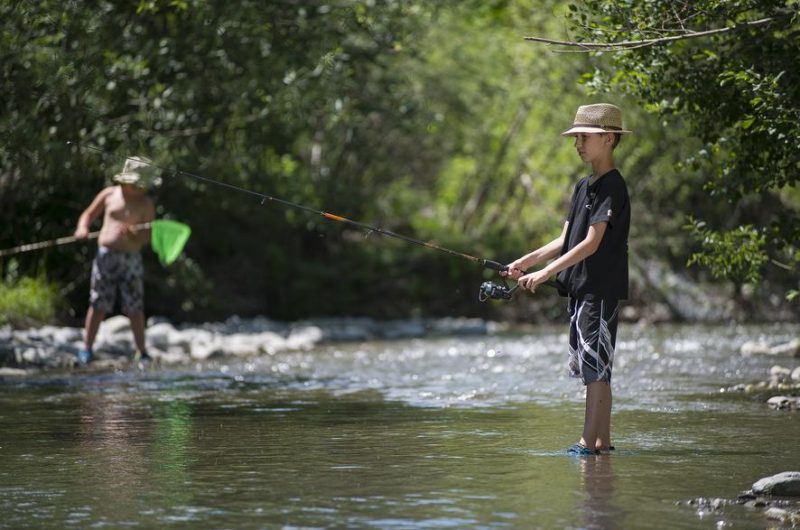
(125, 208)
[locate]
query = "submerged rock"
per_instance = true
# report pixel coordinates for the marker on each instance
(708, 504)
(786, 484)
(784, 402)
(784, 516)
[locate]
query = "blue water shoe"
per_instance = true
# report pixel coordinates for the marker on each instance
(581, 450)
(84, 356)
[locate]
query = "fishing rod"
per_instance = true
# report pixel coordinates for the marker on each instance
(488, 289)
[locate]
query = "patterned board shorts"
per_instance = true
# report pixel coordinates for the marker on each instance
(113, 270)
(592, 337)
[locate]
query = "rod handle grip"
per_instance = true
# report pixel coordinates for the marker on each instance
(489, 264)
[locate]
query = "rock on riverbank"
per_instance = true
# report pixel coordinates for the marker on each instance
(782, 380)
(51, 347)
(786, 349)
(778, 495)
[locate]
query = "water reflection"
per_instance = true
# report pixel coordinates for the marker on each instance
(131, 450)
(110, 434)
(597, 477)
(171, 455)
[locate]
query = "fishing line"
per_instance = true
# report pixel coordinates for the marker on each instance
(488, 289)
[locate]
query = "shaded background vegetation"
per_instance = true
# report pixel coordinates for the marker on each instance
(737, 91)
(432, 119)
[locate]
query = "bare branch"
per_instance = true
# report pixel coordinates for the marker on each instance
(633, 44)
(678, 18)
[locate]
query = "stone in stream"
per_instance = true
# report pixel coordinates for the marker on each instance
(781, 379)
(13, 372)
(784, 516)
(784, 402)
(786, 484)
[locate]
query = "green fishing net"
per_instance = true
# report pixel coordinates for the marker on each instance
(167, 238)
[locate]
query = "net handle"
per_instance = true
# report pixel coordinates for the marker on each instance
(60, 241)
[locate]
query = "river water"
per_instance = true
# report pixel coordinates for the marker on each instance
(437, 433)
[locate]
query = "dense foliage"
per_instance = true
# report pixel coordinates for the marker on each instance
(433, 119)
(738, 91)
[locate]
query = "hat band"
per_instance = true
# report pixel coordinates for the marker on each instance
(610, 127)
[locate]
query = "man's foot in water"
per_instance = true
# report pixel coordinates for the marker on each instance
(141, 356)
(84, 356)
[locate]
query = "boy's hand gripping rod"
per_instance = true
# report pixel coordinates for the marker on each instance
(488, 289)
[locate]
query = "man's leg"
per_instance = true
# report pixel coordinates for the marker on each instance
(93, 319)
(102, 296)
(137, 326)
(597, 421)
(132, 291)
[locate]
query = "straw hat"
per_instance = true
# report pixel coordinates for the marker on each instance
(597, 118)
(138, 171)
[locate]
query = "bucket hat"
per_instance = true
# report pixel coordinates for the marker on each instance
(138, 171)
(597, 118)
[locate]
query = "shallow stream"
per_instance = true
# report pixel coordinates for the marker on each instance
(438, 433)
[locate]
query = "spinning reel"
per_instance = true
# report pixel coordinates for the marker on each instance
(496, 291)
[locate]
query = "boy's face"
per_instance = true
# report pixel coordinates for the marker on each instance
(593, 146)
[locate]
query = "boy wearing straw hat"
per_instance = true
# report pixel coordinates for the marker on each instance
(117, 267)
(590, 259)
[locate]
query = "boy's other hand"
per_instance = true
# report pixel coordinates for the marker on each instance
(81, 233)
(533, 280)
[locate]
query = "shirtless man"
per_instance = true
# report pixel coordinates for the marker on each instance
(118, 264)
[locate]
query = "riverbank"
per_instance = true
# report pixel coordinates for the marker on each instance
(55, 347)
(46, 348)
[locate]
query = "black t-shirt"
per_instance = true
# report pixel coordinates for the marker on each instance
(604, 274)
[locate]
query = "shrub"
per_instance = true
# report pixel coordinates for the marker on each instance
(27, 301)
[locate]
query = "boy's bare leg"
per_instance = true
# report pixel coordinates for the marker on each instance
(597, 422)
(93, 319)
(137, 326)
(604, 417)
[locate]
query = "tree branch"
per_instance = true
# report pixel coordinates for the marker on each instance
(632, 44)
